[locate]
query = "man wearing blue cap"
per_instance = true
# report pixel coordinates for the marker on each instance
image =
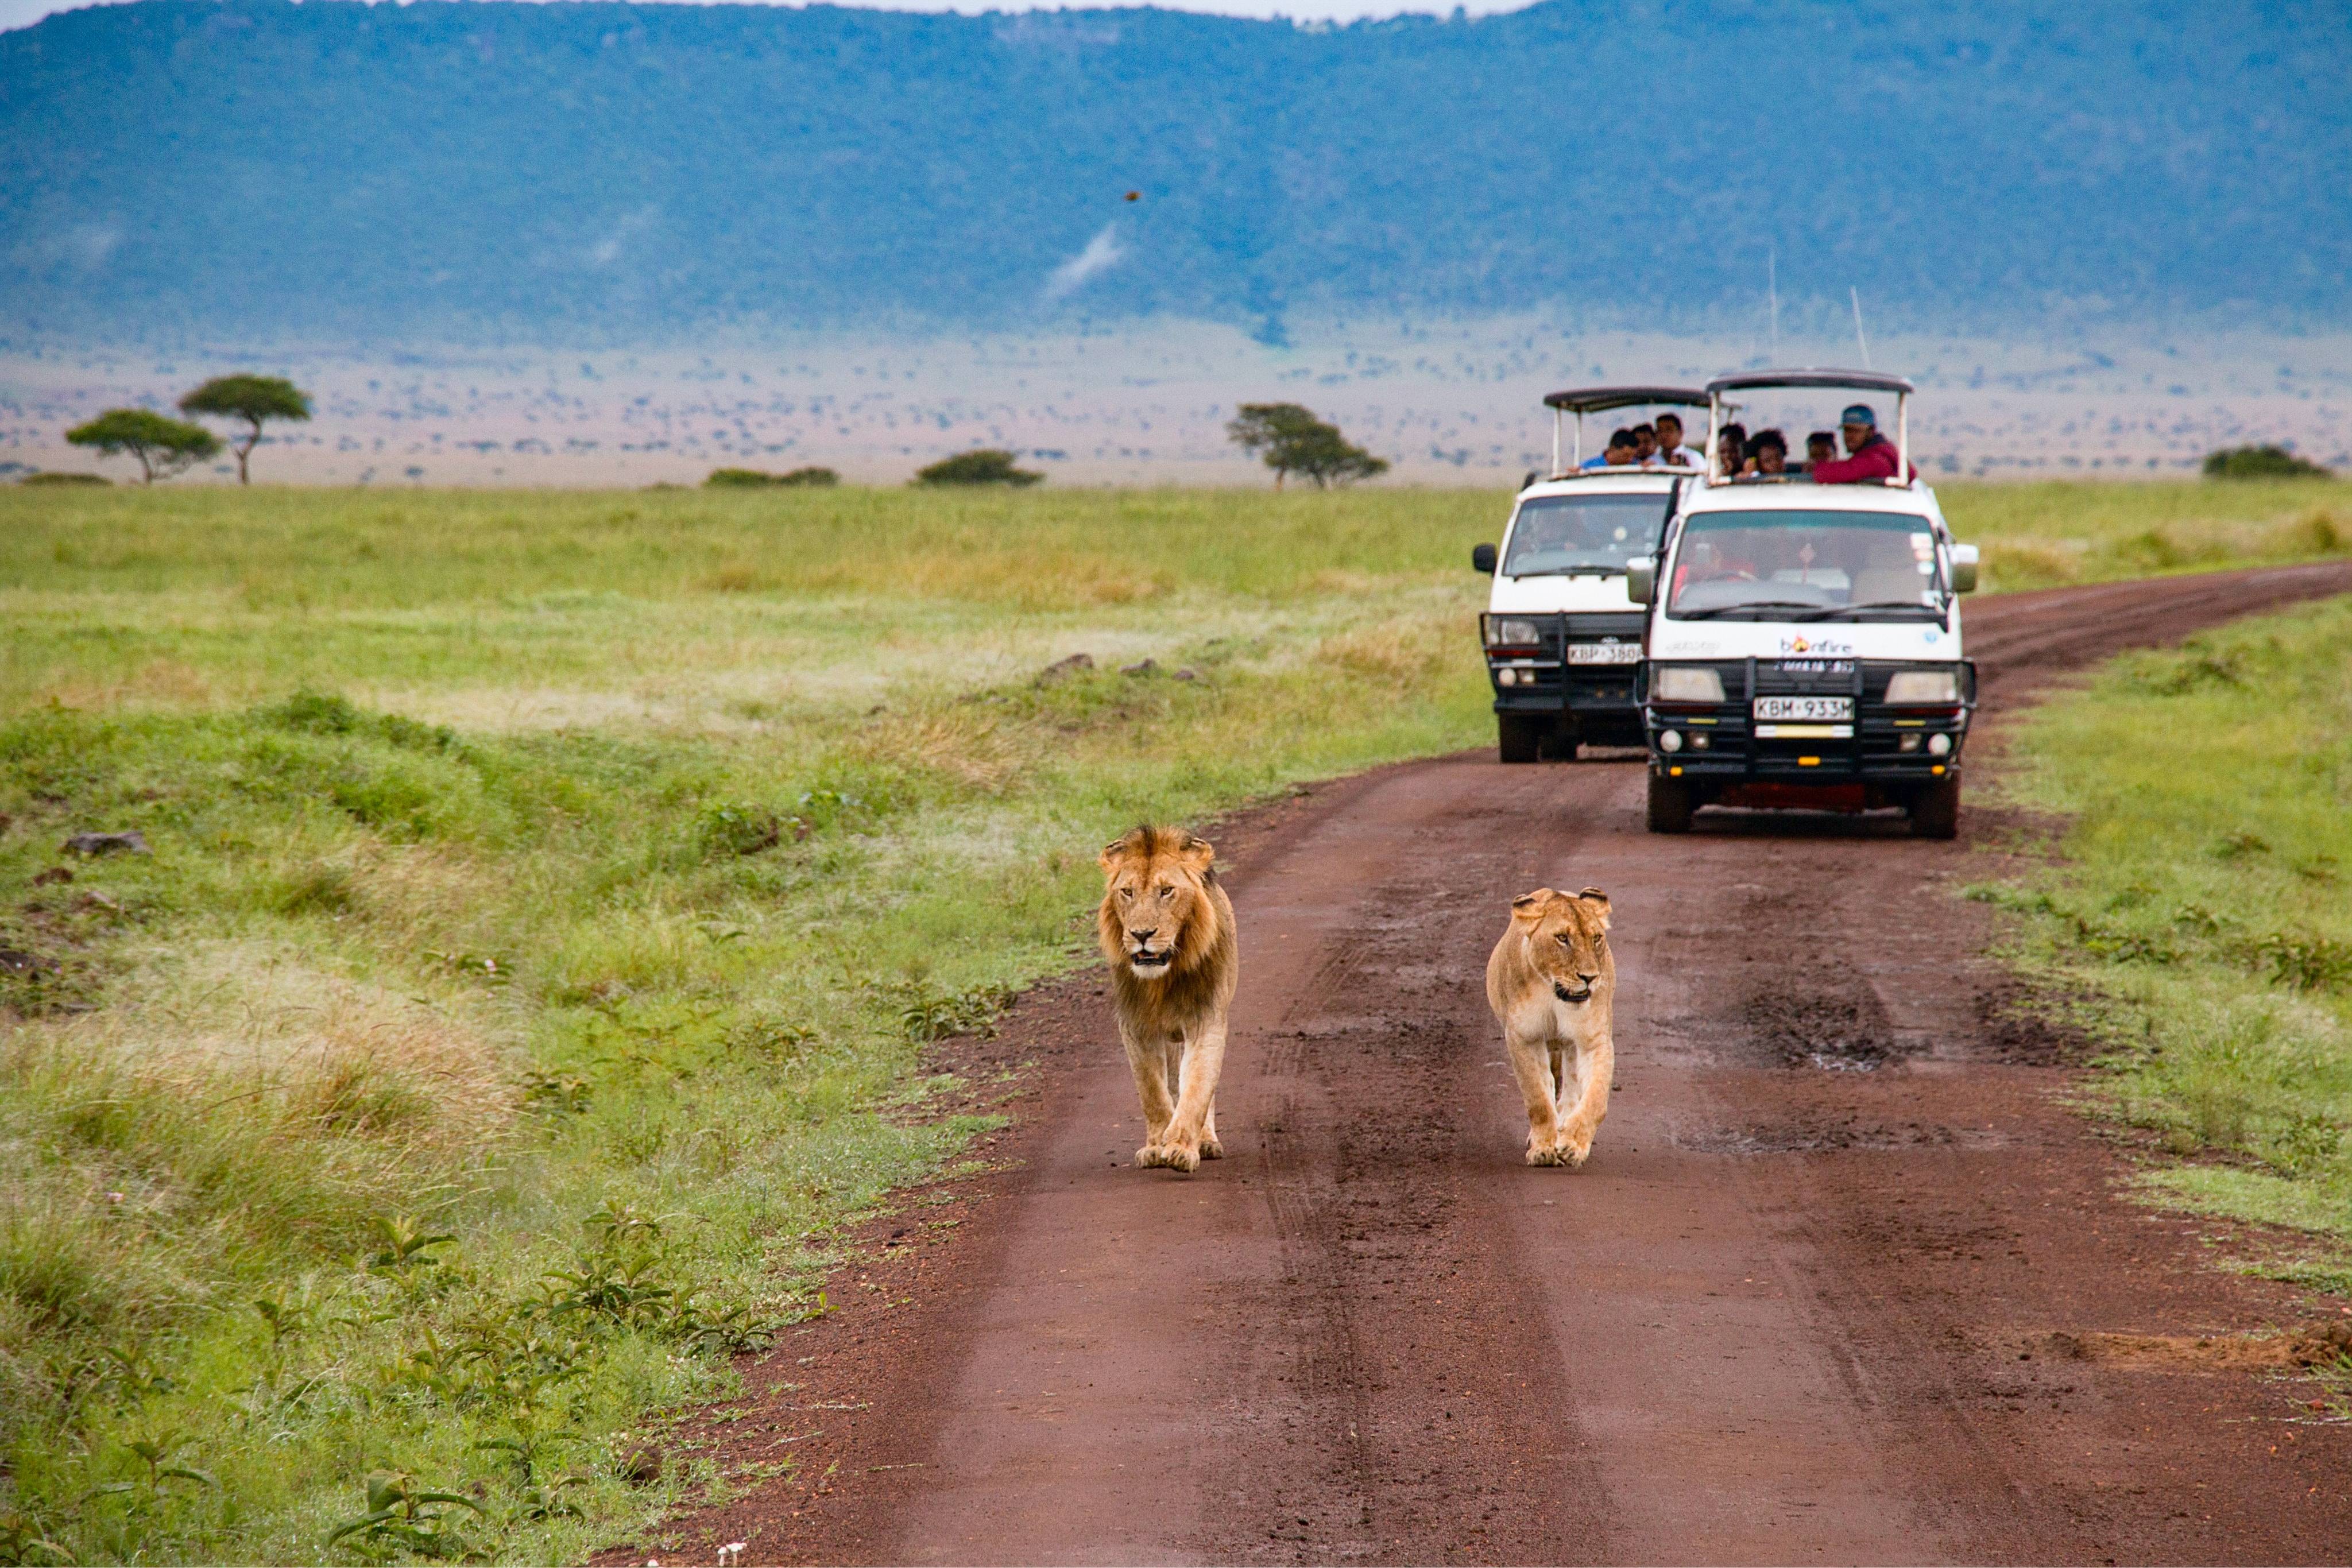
(1870, 456)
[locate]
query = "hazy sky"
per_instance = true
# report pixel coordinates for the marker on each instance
(23, 13)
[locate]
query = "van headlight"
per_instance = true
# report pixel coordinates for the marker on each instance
(1503, 633)
(1686, 684)
(1924, 688)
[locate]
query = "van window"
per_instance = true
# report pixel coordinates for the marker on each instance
(1806, 566)
(1555, 534)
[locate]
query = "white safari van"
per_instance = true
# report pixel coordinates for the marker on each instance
(1562, 638)
(1804, 639)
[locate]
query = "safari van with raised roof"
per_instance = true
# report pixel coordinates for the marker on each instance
(1804, 640)
(1563, 639)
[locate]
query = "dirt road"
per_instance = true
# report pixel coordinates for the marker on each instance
(1820, 1295)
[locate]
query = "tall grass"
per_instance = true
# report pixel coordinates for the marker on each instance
(550, 898)
(2205, 902)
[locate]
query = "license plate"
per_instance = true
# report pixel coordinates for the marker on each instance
(1604, 652)
(1817, 709)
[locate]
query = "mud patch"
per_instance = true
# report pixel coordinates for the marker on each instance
(1831, 1025)
(2022, 1025)
(1835, 1138)
(2313, 1344)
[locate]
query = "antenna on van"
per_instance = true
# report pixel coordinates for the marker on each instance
(1855, 294)
(1773, 292)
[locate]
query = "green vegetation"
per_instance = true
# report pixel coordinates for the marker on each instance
(1289, 439)
(2049, 535)
(550, 896)
(986, 467)
(162, 446)
(253, 399)
(2204, 906)
(65, 478)
(2260, 463)
(760, 478)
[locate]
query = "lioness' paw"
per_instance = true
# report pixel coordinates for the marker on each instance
(1176, 1158)
(1211, 1150)
(1542, 1155)
(1150, 1154)
(1573, 1155)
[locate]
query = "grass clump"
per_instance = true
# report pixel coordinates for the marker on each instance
(2203, 900)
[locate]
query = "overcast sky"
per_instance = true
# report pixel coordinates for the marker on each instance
(23, 13)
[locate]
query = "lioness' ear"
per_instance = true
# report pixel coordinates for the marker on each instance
(1529, 907)
(1598, 899)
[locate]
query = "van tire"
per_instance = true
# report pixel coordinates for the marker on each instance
(1936, 809)
(1518, 738)
(1670, 805)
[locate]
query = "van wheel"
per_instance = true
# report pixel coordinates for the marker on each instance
(1670, 805)
(1519, 740)
(1936, 809)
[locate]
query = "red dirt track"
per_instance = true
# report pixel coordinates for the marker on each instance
(1799, 1306)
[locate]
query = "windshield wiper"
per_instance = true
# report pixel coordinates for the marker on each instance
(1875, 604)
(1573, 571)
(1713, 610)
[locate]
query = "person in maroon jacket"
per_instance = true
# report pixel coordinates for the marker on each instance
(1870, 456)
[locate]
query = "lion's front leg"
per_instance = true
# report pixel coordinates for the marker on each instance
(1148, 1059)
(1596, 1064)
(1204, 1058)
(1531, 1064)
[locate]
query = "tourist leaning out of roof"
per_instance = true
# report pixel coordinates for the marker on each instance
(1672, 452)
(1768, 454)
(1869, 455)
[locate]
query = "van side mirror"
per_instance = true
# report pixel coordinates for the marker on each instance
(1964, 569)
(1482, 559)
(1641, 578)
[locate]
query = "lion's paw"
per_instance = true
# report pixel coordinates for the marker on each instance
(1542, 1155)
(1210, 1149)
(1150, 1154)
(1176, 1158)
(1573, 1155)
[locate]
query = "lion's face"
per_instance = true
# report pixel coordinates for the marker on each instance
(1567, 938)
(1155, 883)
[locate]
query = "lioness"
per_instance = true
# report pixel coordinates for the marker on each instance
(1552, 982)
(1167, 930)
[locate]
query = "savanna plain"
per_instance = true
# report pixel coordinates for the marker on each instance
(544, 902)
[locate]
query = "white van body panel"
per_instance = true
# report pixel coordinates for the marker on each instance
(1588, 592)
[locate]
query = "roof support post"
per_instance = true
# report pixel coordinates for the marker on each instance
(1555, 443)
(1903, 439)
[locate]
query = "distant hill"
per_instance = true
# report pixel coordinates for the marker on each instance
(617, 170)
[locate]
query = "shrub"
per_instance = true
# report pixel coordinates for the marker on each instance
(65, 480)
(987, 467)
(2263, 462)
(761, 479)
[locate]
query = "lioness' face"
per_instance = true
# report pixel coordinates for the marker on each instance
(1153, 887)
(1567, 935)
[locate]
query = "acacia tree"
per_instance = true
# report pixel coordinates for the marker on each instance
(163, 444)
(252, 399)
(1293, 441)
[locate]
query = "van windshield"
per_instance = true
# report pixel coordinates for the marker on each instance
(1806, 566)
(1556, 535)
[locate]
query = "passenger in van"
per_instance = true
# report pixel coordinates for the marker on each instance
(1767, 454)
(1869, 455)
(1731, 448)
(1619, 454)
(1671, 450)
(1820, 447)
(1645, 444)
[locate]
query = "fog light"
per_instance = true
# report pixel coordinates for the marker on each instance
(1698, 741)
(1670, 740)
(1939, 746)
(1908, 743)
(1507, 677)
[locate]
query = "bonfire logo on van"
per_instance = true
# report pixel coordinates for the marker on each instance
(1821, 646)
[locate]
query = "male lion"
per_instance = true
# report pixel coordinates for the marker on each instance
(1167, 930)
(1552, 982)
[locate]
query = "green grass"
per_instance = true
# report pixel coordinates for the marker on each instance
(550, 896)
(2203, 904)
(2048, 534)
